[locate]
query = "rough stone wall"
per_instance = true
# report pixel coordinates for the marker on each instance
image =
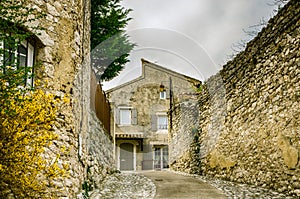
(249, 111)
(63, 52)
(100, 153)
(99, 144)
(65, 43)
(184, 136)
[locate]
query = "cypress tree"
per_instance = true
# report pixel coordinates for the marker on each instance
(109, 44)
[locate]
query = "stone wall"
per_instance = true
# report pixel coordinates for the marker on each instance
(65, 43)
(99, 143)
(249, 111)
(100, 153)
(63, 52)
(184, 136)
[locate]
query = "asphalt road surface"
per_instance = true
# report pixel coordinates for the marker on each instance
(176, 186)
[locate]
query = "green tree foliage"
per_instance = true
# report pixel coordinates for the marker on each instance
(109, 44)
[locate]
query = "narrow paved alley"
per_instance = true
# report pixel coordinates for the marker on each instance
(170, 184)
(174, 186)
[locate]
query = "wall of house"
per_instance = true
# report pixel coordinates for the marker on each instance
(142, 94)
(63, 53)
(249, 111)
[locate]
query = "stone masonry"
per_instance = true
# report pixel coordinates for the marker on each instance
(143, 95)
(249, 128)
(62, 50)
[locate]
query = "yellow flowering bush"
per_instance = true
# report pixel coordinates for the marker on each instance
(27, 115)
(26, 130)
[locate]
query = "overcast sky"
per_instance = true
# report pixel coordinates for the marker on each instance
(193, 37)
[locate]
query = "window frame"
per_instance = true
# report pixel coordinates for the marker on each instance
(162, 95)
(165, 116)
(160, 157)
(132, 116)
(29, 59)
(121, 115)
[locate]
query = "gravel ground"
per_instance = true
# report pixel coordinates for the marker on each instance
(240, 191)
(125, 186)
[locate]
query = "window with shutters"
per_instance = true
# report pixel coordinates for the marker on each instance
(159, 122)
(162, 122)
(126, 116)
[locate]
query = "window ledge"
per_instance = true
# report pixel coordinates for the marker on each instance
(162, 131)
(122, 125)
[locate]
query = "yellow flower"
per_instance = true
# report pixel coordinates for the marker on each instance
(27, 130)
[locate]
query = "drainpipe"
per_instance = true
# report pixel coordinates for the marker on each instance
(114, 134)
(171, 98)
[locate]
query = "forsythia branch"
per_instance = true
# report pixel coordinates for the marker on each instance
(26, 120)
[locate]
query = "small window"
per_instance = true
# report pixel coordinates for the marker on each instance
(125, 117)
(162, 122)
(162, 95)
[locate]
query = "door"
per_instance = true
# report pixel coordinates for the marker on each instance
(161, 158)
(157, 158)
(126, 157)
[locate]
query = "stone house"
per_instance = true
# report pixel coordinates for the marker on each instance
(140, 116)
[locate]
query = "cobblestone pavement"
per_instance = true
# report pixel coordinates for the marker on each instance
(134, 185)
(125, 186)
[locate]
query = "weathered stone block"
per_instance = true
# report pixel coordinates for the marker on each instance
(290, 154)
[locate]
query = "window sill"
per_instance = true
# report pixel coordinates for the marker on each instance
(122, 125)
(163, 131)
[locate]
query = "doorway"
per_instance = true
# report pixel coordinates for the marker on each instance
(161, 157)
(126, 157)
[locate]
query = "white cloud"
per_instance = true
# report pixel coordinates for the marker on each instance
(196, 30)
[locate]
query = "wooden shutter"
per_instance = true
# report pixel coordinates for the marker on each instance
(117, 115)
(147, 157)
(154, 123)
(134, 116)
